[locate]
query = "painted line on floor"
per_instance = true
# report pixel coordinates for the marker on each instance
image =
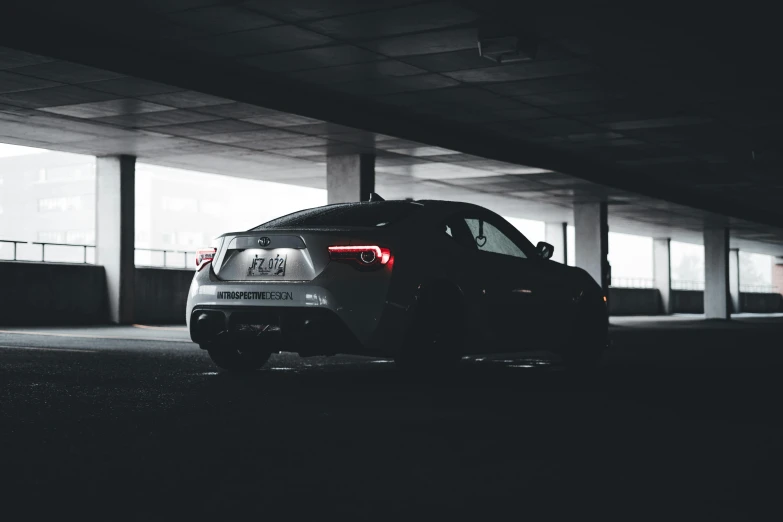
(170, 328)
(47, 349)
(89, 336)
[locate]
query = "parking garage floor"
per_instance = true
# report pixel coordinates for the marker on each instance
(134, 423)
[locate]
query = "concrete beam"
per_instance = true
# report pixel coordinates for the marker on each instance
(734, 280)
(592, 241)
(115, 231)
(662, 272)
(556, 235)
(717, 299)
(350, 177)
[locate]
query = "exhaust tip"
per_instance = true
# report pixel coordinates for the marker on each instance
(207, 325)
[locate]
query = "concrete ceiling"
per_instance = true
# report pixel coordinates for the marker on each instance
(268, 89)
(663, 103)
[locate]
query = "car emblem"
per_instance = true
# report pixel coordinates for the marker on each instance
(264, 241)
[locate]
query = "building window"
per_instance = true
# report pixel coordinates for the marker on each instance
(71, 237)
(183, 239)
(61, 204)
(51, 236)
(66, 173)
(80, 237)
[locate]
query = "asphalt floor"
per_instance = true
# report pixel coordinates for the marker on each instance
(681, 422)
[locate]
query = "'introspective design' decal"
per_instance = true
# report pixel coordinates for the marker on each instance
(269, 296)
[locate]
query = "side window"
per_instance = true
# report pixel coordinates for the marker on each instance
(456, 228)
(488, 238)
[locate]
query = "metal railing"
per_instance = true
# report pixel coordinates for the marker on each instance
(183, 256)
(632, 282)
(699, 285)
(683, 284)
(759, 289)
(43, 246)
(166, 258)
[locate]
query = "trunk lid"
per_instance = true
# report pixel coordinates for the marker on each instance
(279, 255)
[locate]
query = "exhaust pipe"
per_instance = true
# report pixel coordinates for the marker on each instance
(208, 325)
(203, 322)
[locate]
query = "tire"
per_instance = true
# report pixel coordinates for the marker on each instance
(433, 341)
(238, 358)
(588, 339)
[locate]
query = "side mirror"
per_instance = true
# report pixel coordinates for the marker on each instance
(545, 250)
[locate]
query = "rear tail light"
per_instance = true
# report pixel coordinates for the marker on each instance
(362, 256)
(204, 256)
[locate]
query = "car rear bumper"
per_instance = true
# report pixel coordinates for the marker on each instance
(306, 330)
(323, 316)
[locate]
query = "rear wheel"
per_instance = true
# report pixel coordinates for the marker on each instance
(238, 357)
(433, 342)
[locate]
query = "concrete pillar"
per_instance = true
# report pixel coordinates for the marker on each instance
(555, 235)
(734, 280)
(114, 232)
(350, 177)
(592, 241)
(717, 300)
(662, 271)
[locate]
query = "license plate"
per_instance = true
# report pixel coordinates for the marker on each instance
(267, 265)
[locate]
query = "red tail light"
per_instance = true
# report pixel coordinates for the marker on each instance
(363, 255)
(204, 256)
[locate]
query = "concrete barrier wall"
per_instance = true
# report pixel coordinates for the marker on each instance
(52, 294)
(62, 294)
(761, 303)
(692, 302)
(161, 295)
(59, 294)
(687, 301)
(634, 301)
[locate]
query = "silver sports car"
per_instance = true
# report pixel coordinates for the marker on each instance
(423, 282)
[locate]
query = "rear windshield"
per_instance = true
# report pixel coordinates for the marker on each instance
(366, 214)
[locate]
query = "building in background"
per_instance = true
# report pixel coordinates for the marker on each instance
(47, 197)
(756, 273)
(777, 273)
(179, 211)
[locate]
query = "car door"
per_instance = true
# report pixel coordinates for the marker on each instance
(464, 265)
(507, 302)
(524, 294)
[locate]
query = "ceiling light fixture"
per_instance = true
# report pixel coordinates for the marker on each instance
(502, 43)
